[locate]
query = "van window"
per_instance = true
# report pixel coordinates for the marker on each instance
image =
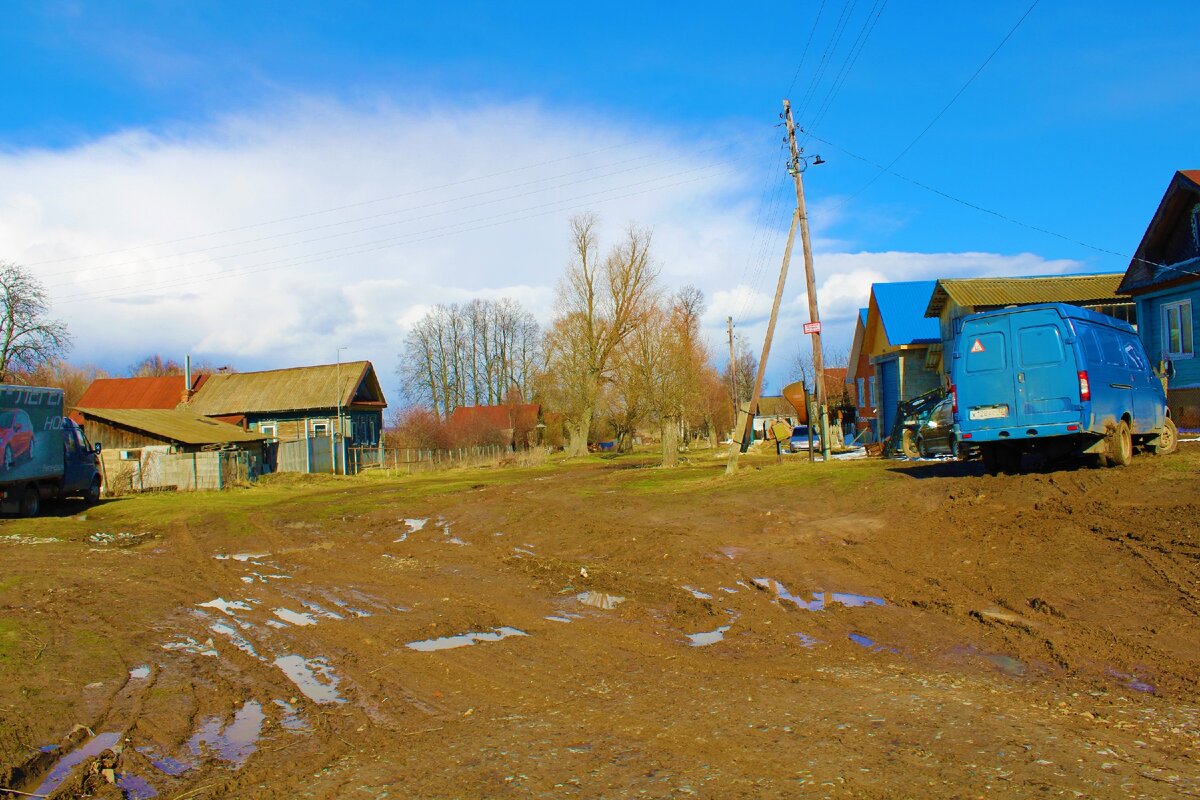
(1091, 347)
(1040, 345)
(1110, 344)
(985, 352)
(1134, 357)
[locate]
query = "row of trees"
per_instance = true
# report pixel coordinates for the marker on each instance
(478, 353)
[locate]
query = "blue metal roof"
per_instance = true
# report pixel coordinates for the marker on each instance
(902, 310)
(862, 315)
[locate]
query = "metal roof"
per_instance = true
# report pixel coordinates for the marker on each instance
(1001, 292)
(279, 390)
(163, 391)
(900, 310)
(175, 425)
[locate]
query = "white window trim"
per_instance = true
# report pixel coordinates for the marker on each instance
(313, 423)
(1185, 307)
(274, 426)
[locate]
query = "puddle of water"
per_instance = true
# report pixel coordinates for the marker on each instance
(819, 600)
(464, 640)
(600, 600)
(1134, 682)
(455, 540)
(94, 747)
(235, 638)
(170, 766)
(731, 552)
(189, 645)
(48, 748)
(564, 617)
(140, 673)
(313, 677)
(1006, 664)
(320, 610)
(258, 577)
(294, 617)
(727, 590)
(708, 637)
(806, 640)
(135, 787)
(358, 612)
(291, 719)
(414, 524)
(241, 556)
(237, 741)
(696, 593)
(868, 643)
(274, 623)
(226, 606)
(402, 538)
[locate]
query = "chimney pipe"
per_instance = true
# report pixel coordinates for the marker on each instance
(187, 378)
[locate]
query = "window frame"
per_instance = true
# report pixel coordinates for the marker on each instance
(324, 423)
(1182, 307)
(263, 427)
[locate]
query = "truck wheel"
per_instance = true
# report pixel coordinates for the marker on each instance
(1120, 445)
(31, 502)
(921, 447)
(1168, 440)
(92, 496)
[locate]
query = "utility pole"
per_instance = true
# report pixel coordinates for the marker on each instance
(732, 370)
(799, 219)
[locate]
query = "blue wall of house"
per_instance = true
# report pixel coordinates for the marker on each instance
(1150, 329)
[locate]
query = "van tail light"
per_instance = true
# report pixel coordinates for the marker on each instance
(953, 399)
(1085, 390)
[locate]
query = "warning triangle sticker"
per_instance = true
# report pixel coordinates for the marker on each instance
(977, 347)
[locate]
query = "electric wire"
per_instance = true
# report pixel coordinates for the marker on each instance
(852, 56)
(804, 53)
(335, 209)
(823, 65)
(434, 233)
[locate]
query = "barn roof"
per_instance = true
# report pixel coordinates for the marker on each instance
(295, 389)
(1001, 292)
(901, 307)
(1144, 270)
(176, 425)
(163, 391)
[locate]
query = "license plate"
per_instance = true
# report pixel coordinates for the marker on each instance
(989, 412)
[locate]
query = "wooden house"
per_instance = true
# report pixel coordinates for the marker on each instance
(298, 403)
(902, 347)
(1164, 280)
(860, 374)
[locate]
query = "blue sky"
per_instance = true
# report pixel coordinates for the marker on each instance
(1075, 126)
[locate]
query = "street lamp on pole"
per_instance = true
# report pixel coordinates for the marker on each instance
(338, 425)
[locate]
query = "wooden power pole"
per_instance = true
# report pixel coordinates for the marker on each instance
(799, 219)
(732, 370)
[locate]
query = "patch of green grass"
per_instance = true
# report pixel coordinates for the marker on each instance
(10, 582)
(10, 640)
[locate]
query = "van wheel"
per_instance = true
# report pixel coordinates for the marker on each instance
(1120, 445)
(92, 496)
(1168, 440)
(31, 502)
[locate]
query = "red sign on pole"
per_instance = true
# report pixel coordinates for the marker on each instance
(812, 327)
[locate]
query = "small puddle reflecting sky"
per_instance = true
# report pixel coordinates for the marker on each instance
(93, 747)
(820, 600)
(600, 600)
(313, 677)
(464, 639)
(236, 741)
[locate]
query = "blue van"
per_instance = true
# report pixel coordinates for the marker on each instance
(1055, 379)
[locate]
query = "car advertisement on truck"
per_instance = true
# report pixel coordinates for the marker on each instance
(31, 444)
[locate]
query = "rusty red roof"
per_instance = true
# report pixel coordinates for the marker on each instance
(165, 391)
(1192, 175)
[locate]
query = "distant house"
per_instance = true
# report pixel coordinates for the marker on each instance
(860, 374)
(162, 392)
(298, 403)
(955, 298)
(1164, 280)
(902, 346)
(515, 424)
(158, 448)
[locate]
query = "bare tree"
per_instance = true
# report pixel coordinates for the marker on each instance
(155, 365)
(740, 374)
(28, 337)
(601, 301)
(73, 380)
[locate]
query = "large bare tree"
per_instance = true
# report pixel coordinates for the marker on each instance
(601, 302)
(29, 338)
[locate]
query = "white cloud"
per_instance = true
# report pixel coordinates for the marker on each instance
(466, 216)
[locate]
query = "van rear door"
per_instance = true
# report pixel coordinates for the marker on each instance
(984, 379)
(1046, 369)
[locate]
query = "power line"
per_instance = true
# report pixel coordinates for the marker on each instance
(434, 233)
(992, 212)
(852, 55)
(804, 53)
(338, 208)
(382, 215)
(830, 49)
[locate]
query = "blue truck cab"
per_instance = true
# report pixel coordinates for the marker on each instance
(1056, 379)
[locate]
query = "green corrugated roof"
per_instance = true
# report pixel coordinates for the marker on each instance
(282, 390)
(1000, 292)
(173, 424)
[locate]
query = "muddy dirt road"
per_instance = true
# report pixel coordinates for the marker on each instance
(606, 629)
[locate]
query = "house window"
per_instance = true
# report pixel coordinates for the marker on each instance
(863, 400)
(1177, 329)
(269, 429)
(318, 428)
(873, 386)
